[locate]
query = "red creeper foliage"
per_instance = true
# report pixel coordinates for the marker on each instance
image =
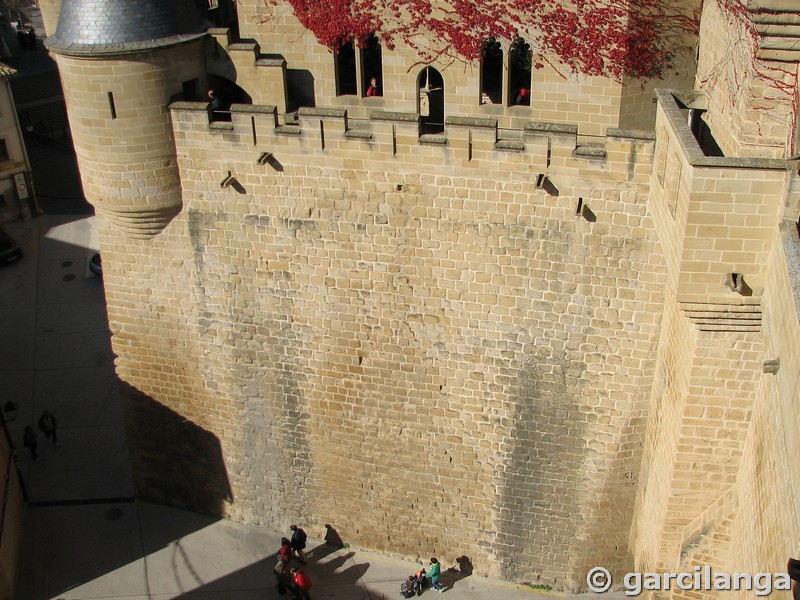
(615, 38)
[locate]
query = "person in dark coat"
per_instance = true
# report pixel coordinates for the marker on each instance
(299, 538)
(29, 440)
(48, 424)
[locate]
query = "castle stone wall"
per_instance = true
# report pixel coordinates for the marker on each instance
(379, 341)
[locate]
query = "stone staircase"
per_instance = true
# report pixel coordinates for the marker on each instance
(778, 22)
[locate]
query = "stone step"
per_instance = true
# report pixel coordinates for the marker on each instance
(741, 318)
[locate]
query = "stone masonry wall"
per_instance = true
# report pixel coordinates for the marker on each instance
(718, 466)
(751, 103)
(593, 103)
(378, 342)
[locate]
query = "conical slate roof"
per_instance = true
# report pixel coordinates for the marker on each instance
(98, 27)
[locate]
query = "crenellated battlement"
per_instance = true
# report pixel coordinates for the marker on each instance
(545, 154)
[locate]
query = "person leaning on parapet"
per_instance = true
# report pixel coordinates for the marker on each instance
(29, 441)
(48, 424)
(373, 90)
(218, 106)
(299, 538)
(215, 104)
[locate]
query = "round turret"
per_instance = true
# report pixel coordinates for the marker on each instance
(121, 63)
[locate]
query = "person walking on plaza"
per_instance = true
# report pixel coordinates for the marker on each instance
(48, 424)
(299, 538)
(29, 440)
(434, 572)
(281, 570)
(301, 584)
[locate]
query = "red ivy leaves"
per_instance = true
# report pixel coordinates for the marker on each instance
(616, 38)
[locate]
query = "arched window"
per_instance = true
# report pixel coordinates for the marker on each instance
(492, 73)
(431, 101)
(519, 78)
(372, 68)
(345, 65)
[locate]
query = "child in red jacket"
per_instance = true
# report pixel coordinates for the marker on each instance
(301, 584)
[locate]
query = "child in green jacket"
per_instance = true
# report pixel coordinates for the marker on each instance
(434, 572)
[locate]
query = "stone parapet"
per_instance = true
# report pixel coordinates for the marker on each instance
(717, 214)
(547, 149)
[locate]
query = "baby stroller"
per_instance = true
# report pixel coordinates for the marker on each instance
(414, 585)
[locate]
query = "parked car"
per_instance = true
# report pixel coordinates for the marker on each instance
(96, 265)
(9, 249)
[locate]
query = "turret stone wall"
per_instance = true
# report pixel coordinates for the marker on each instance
(119, 120)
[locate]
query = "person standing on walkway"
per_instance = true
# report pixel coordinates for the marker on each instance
(48, 424)
(281, 570)
(434, 572)
(299, 538)
(301, 584)
(29, 440)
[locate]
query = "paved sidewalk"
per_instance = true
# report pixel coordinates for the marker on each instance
(143, 551)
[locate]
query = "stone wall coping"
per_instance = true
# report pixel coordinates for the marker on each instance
(510, 145)
(472, 122)
(221, 126)
(385, 115)
(244, 45)
(433, 139)
(551, 128)
(590, 151)
(185, 105)
(264, 109)
(631, 134)
(668, 99)
(218, 30)
(361, 134)
(270, 61)
(329, 113)
(288, 130)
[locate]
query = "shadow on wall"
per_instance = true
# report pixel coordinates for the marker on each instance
(175, 462)
(300, 89)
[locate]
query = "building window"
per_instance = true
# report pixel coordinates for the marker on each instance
(519, 65)
(492, 73)
(112, 105)
(431, 101)
(4, 151)
(372, 68)
(345, 66)
(191, 90)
